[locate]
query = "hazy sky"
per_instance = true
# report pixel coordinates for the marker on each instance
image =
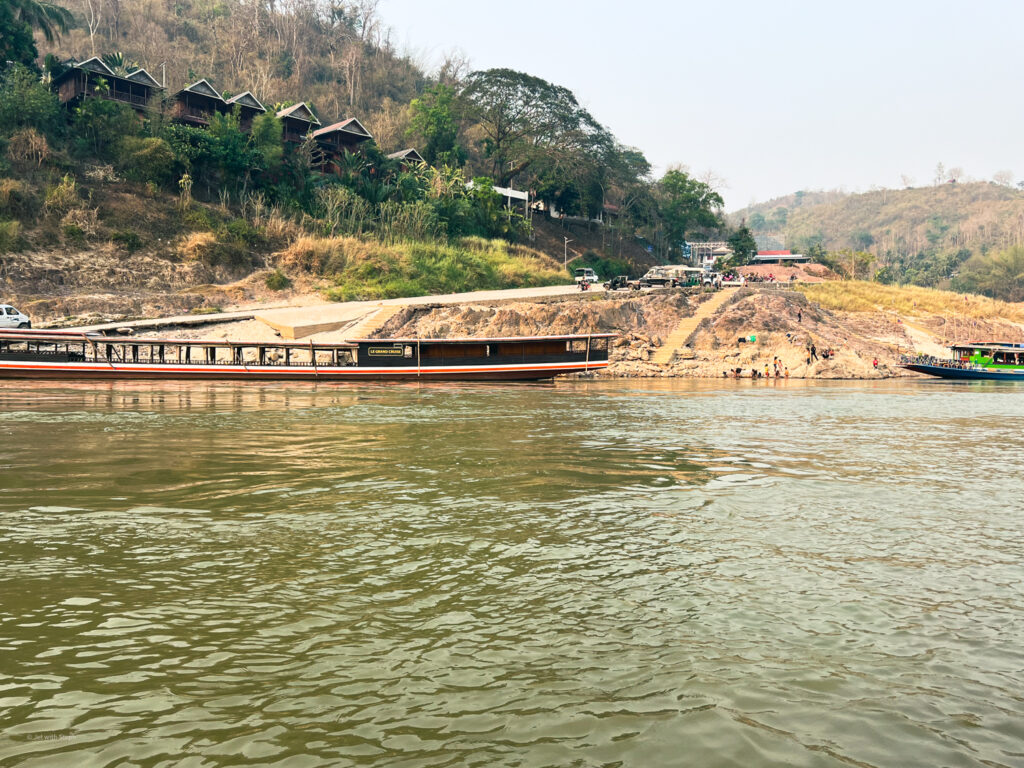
(771, 96)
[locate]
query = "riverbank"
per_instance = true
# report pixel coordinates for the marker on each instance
(665, 333)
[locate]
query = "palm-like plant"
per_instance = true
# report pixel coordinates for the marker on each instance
(119, 63)
(49, 18)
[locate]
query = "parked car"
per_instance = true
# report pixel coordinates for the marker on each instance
(586, 275)
(12, 318)
(658, 277)
(622, 283)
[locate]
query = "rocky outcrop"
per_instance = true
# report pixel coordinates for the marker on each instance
(749, 333)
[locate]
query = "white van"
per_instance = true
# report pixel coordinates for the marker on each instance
(586, 275)
(12, 318)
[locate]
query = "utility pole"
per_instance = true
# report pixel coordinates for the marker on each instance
(565, 253)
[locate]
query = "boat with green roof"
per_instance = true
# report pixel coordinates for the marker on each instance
(980, 360)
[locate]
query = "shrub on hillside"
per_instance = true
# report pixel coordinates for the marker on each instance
(85, 219)
(16, 199)
(100, 126)
(318, 255)
(147, 160)
(204, 247)
(73, 235)
(62, 197)
(277, 281)
(25, 102)
(27, 148)
(10, 236)
(127, 239)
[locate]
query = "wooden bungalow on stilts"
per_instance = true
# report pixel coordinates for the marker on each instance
(299, 121)
(196, 104)
(94, 79)
(336, 139)
(248, 107)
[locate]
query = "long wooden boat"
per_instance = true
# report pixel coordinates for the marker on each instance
(71, 355)
(983, 360)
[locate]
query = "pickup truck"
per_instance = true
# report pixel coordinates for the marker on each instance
(658, 278)
(622, 283)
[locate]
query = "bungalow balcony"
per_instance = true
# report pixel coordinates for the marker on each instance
(79, 88)
(293, 136)
(191, 115)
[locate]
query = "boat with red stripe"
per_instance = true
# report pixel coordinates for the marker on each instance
(56, 354)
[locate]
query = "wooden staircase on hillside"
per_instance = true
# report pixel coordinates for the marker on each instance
(688, 326)
(373, 321)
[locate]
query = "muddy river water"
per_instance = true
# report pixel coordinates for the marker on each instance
(613, 573)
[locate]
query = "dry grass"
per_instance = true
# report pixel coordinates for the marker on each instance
(860, 296)
(320, 255)
(197, 245)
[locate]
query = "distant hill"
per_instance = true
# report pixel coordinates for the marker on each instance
(894, 224)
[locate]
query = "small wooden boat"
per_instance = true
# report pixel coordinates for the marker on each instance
(984, 360)
(40, 354)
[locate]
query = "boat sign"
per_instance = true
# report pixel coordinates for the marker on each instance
(384, 351)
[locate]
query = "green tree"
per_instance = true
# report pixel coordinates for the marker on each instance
(147, 159)
(524, 119)
(195, 150)
(433, 124)
(743, 247)
(50, 19)
(999, 275)
(687, 205)
(99, 126)
(25, 102)
(231, 149)
(16, 42)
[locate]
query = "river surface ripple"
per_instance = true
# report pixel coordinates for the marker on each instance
(580, 574)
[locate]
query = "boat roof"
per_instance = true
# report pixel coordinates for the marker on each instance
(483, 339)
(994, 346)
(99, 338)
(92, 336)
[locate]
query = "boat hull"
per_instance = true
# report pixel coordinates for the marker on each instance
(965, 374)
(155, 371)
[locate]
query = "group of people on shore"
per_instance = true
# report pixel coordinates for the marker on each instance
(780, 371)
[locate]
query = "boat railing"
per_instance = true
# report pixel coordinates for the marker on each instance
(959, 365)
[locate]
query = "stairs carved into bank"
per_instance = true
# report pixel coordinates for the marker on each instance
(373, 321)
(688, 326)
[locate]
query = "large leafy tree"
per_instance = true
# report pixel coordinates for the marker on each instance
(743, 246)
(16, 41)
(687, 205)
(433, 123)
(25, 102)
(526, 121)
(999, 275)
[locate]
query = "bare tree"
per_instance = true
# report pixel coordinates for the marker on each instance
(940, 173)
(955, 174)
(388, 125)
(94, 15)
(454, 67)
(1003, 177)
(907, 181)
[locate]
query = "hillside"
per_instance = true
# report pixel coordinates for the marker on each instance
(978, 217)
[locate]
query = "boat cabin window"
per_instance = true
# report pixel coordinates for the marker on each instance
(576, 345)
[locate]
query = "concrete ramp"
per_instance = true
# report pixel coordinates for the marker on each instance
(300, 322)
